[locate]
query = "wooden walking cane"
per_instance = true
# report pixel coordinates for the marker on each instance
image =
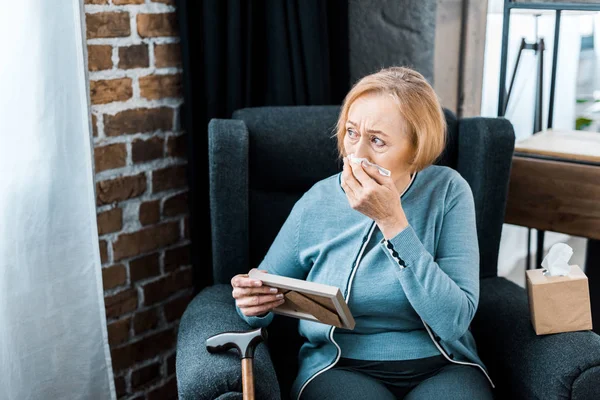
(245, 343)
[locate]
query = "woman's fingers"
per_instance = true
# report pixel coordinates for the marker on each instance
(245, 286)
(373, 172)
(361, 176)
(239, 292)
(258, 300)
(253, 311)
(252, 298)
(242, 280)
(349, 182)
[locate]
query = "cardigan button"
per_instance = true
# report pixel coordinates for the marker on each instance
(390, 246)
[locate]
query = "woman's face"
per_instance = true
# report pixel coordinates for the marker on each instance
(376, 131)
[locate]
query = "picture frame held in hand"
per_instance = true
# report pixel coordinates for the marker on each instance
(309, 300)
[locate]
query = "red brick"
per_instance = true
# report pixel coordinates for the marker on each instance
(146, 150)
(172, 2)
(145, 240)
(148, 347)
(99, 57)
(144, 267)
(140, 120)
(149, 212)
(144, 321)
(134, 56)
(110, 221)
(120, 386)
(178, 257)
(110, 157)
(177, 146)
(175, 308)
(164, 287)
(166, 392)
(154, 25)
(103, 251)
(121, 303)
(155, 87)
(145, 375)
(167, 55)
(96, 2)
(169, 178)
(118, 331)
(107, 91)
(121, 2)
(94, 125)
(176, 205)
(107, 25)
(119, 189)
(114, 276)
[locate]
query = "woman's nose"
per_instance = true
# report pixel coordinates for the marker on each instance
(361, 150)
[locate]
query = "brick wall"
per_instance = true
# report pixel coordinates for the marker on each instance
(139, 152)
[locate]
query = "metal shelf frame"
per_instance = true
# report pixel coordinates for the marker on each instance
(558, 8)
(510, 5)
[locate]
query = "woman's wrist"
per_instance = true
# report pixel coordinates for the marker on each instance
(392, 227)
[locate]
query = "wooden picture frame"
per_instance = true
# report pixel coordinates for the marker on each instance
(309, 300)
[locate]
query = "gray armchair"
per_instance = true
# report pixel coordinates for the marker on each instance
(261, 161)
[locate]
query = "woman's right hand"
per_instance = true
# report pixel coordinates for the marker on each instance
(252, 297)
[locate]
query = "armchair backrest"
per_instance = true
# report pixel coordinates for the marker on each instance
(263, 159)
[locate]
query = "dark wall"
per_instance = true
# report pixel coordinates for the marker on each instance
(383, 33)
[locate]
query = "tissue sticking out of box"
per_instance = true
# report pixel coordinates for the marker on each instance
(358, 160)
(556, 261)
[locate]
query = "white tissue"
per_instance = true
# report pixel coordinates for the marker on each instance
(358, 160)
(556, 261)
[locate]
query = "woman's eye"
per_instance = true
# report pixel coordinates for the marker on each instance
(351, 133)
(378, 142)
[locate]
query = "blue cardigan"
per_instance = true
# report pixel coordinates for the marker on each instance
(435, 260)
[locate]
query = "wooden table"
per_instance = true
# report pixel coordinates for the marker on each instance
(555, 186)
(575, 146)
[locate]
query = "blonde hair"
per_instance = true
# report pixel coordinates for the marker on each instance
(417, 103)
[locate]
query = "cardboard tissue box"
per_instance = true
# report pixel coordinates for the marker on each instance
(559, 296)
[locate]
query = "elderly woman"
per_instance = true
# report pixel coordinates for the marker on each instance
(402, 247)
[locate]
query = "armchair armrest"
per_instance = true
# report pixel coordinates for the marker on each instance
(523, 364)
(203, 375)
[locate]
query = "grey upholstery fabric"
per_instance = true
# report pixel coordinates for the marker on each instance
(228, 177)
(290, 149)
(231, 396)
(527, 366)
(202, 375)
(484, 147)
(260, 163)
